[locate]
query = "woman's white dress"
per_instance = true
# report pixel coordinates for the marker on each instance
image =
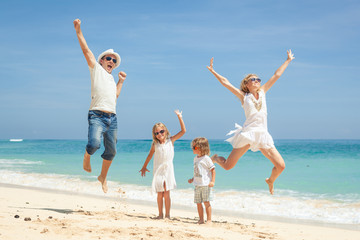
(254, 130)
(163, 167)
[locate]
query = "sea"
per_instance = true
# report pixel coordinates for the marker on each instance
(321, 182)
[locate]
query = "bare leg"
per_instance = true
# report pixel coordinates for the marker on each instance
(233, 158)
(167, 202)
(279, 165)
(102, 177)
(160, 205)
(86, 162)
(208, 211)
(201, 213)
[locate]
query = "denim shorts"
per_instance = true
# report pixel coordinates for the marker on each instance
(102, 125)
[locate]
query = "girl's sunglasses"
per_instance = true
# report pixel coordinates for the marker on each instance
(110, 58)
(195, 147)
(255, 79)
(162, 132)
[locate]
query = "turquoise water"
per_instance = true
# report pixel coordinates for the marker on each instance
(321, 177)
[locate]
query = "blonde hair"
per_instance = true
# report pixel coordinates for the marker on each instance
(203, 145)
(160, 125)
(243, 86)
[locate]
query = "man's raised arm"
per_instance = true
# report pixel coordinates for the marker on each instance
(90, 58)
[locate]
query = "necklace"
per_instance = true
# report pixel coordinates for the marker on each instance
(257, 104)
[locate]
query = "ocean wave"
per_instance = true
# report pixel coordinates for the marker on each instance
(12, 162)
(287, 204)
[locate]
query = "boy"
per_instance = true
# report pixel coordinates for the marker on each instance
(204, 177)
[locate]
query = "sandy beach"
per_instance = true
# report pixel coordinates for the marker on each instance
(29, 213)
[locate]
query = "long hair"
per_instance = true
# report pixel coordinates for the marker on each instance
(243, 86)
(161, 125)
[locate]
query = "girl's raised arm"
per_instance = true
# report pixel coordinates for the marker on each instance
(278, 72)
(236, 91)
(182, 125)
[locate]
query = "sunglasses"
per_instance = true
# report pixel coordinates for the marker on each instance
(110, 58)
(195, 147)
(157, 133)
(255, 79)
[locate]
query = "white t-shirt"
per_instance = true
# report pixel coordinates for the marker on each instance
(202, 173)
(103, 89)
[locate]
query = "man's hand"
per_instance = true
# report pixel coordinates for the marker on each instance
(77, 24)
(122, 76)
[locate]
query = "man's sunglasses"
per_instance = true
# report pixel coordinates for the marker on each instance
(110, 58)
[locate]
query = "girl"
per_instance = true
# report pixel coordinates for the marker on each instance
(164, 179)
(254, 134)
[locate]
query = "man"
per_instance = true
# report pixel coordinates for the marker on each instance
(102, 113)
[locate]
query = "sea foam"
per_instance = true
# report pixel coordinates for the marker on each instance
(286, 204)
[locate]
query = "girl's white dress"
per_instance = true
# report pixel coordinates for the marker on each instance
(163, 167)
(254, 130)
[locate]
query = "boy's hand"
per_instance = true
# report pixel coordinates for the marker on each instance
(211, 184)
(190, 180)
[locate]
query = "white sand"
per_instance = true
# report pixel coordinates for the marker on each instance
(57, 215)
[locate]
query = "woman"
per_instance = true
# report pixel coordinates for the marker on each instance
(254, 134)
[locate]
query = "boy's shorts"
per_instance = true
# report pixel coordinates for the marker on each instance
(202, 194)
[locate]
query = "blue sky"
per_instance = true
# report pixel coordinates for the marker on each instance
(165, 47)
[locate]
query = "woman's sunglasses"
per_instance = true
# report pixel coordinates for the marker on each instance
(255, 79)
(161, 131)
(195, 147)
(110, 58)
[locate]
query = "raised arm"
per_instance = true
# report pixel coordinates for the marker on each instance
(278, 72)
(182, 125)
(122, 77)
(90, 58)
(144, 169)
(236, 91)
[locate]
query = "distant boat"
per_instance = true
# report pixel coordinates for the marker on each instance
(16, 140)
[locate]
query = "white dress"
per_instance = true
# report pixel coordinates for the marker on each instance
(254, 130)
(163, 167)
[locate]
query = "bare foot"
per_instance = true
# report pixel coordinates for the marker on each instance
(271, 186)
(159, 217)
(200, 222)
(103, 184)
(86, 162)
(168, 217)
(215, 158)
(208, 222)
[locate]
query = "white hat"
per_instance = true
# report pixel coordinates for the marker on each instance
(111, 52)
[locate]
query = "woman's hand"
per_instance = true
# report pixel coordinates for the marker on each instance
(290, 55)
(211, 65)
